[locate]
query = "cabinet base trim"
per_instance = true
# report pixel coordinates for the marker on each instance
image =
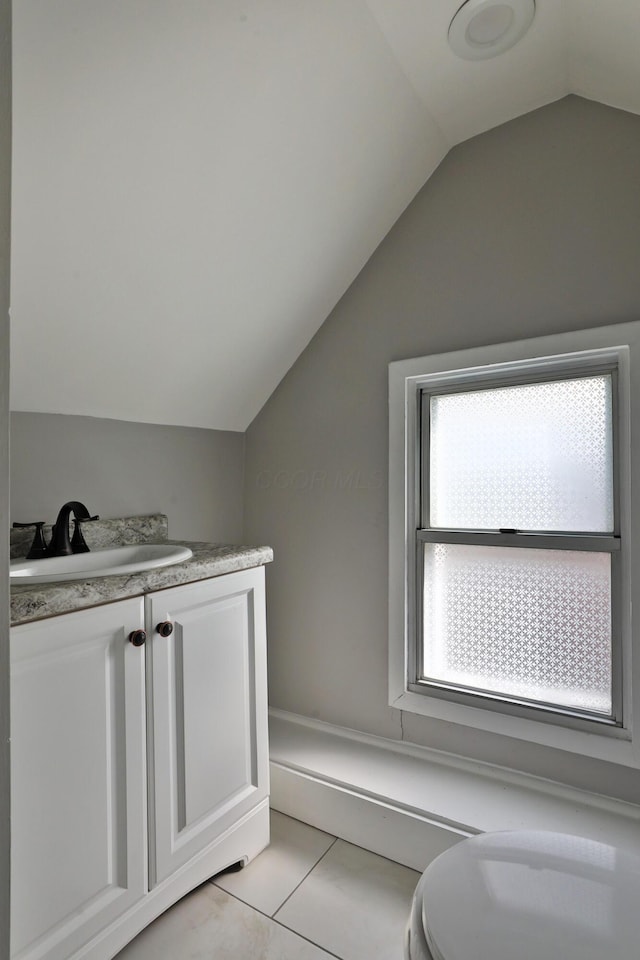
(244, 841)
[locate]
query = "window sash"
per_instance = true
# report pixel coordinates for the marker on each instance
(575, 370)
(521, 706)
(599, 543)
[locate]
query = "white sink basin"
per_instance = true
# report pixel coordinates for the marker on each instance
(113, 561)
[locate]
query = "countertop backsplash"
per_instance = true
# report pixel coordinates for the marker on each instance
(152, 528)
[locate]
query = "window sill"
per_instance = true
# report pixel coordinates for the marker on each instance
(612, 744)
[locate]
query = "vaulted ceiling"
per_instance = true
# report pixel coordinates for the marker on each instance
(196, 183)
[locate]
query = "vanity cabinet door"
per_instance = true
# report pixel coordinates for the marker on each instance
(207, 721)
(77, 778)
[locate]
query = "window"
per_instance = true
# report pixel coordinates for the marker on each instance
(516, 543)
(510, 554)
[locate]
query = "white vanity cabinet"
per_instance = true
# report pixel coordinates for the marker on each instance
(137, 771)
(208, 754)
(78, 817)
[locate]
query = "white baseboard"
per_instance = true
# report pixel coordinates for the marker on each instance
(410, 803)
(387, 830)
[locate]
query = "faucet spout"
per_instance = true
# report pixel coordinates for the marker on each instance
(61, 545)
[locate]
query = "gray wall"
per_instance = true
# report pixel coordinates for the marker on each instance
(5, 230)
(532, 228)
(118, 469)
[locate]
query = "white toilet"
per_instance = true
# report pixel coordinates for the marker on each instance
(527, 895)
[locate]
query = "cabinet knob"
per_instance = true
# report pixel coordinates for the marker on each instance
(137, 637)
(164, 628)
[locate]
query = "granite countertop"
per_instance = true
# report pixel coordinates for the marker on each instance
(37, 601)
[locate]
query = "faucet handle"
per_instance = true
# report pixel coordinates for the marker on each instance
(78, 543)
(38, 548)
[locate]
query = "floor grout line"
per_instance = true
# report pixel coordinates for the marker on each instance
(267, 916)
(313, 943)
(307, 874)
(276, 914)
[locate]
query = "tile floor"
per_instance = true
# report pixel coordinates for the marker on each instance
(308, 896)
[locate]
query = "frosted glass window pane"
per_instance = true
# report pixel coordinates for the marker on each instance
(531, 624)
(533, 457)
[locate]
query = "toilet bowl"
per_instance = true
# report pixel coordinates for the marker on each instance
(527, 895)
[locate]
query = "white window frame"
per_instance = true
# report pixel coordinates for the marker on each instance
(618, 344)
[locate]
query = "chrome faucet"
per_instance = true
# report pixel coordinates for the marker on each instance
(60, 544)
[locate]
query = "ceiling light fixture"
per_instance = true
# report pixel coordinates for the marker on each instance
(484, 28)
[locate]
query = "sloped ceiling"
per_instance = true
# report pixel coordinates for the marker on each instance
(196, 183)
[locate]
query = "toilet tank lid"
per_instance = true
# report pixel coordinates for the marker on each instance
(532, 895)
